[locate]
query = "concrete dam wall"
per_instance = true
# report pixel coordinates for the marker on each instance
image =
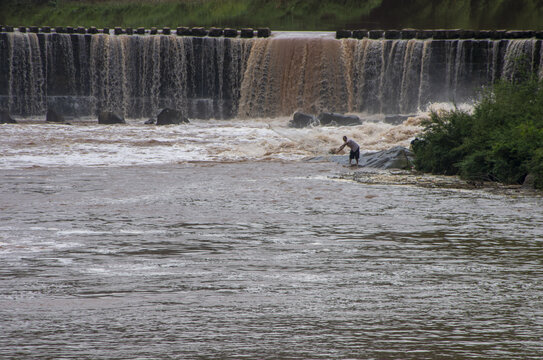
(136, 74)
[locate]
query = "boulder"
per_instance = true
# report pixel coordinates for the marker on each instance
(395, 158)
(301, 120)
(529, 182)
(333, 119)
(396, 119)
(5, 118)
(150, 122)
(109, 118)
(170, 117)
(53, 116)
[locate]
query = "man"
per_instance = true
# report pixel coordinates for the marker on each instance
(355, 149)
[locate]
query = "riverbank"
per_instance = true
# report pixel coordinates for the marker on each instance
(279, 15)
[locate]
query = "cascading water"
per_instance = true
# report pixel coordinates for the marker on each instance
(82, 74)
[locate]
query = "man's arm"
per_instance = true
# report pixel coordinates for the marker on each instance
(341, 148)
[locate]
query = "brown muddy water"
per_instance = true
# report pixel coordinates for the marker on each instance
(262, 260)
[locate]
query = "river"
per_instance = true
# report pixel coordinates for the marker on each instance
(217, 241)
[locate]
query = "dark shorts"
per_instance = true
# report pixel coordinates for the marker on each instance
(354, 154)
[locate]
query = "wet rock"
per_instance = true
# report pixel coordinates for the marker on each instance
(301, 120)
(529, 182)
(109, 118)
(395, 158)
(53, 116)
(171, 117)
(150, 122)
(396, 119)
(333, 119)
(5, 118)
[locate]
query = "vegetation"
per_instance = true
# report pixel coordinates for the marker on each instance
(502, 140)
(278, 14)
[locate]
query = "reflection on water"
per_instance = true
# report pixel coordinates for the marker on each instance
(263, 260)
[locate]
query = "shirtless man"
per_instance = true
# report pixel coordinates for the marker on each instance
(355, 149)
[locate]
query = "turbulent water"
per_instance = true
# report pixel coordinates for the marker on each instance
(216, 240)
(134, 75)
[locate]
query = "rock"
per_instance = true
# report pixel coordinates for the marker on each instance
(529, 182)
(301, 120)
(333, 119)
(53, 116)
(171, 116)
(396, 119)
(150, 122)
(109, 118)
(5, 118)
(395, 158)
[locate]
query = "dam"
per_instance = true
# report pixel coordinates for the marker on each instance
(136, 74)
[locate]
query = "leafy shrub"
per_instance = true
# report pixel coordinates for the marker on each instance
(501, 141)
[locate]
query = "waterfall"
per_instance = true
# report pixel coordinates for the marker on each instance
(136, 76)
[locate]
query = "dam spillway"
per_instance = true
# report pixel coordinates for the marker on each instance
(80, 74)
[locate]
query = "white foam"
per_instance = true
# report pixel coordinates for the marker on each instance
(91, 145)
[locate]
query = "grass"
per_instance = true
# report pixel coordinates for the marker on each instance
(278, 14)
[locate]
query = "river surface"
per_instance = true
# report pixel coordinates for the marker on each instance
(128, 242)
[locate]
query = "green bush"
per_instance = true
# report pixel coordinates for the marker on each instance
(502, 140)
